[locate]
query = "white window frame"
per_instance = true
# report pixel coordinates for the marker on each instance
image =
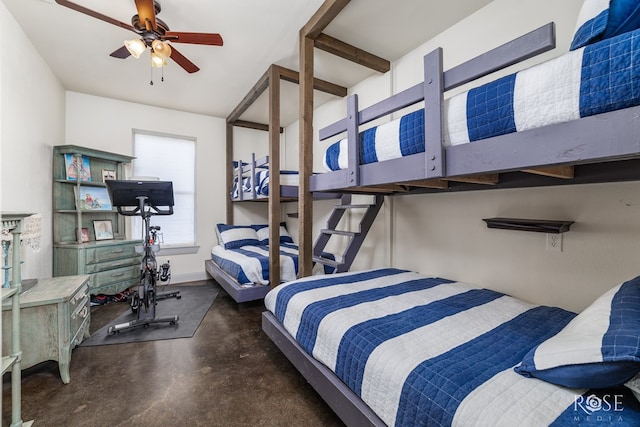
(177, 248)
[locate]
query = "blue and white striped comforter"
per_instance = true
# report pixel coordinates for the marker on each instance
(601, 77)
(250, 264)
(425, 351)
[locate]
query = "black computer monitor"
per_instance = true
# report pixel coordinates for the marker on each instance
(127, 193)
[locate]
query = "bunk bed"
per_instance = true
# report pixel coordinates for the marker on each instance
(352, 335)
(261, 180)
(588, 129)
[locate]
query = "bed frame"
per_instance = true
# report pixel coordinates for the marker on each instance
(270, 80)
(557, 153)
(235, 290)
(344, 402)
(288, 193)
(601, 138)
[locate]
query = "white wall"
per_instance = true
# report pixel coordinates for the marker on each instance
(444, 235)
(108, 124)
(32, 110)
(245, 143)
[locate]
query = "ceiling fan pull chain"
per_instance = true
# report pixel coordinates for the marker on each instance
(151, 76)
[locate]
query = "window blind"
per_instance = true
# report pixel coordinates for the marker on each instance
(169, 158)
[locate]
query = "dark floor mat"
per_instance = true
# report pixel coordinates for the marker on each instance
(194, 303)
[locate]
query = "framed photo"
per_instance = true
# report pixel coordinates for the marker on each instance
(84, 235)
(77, 167)
(108, 174)
(92, 198)
(103, 229)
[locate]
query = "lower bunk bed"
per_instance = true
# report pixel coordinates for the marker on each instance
(240, 262)
(393, 347)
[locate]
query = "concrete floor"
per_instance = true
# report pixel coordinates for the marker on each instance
(228, 374)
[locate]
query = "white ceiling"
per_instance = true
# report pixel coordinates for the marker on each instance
(256, 33)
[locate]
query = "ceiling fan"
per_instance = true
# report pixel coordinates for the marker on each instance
(153, 32)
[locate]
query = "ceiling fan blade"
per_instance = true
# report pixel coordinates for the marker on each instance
(95, 14)
(182, 61)
(121, 53)
(147, 13)
(212, 39)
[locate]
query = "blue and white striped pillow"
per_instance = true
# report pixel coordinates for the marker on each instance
(599, 348)
(235, 236)
(263, 233)
(602, 19)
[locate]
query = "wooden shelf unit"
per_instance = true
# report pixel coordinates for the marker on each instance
(111, 264)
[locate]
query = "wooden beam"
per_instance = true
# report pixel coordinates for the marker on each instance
(229, 174)
(318, 84)
(258, 89)
(562, 172)
(488, 179)
(253, 125)
(274, 177)
(305, 161)
(428, 183)
(387, 188)
(351, 53)
(312, 29)
(323, 17)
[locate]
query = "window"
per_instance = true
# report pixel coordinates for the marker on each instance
(169, 158)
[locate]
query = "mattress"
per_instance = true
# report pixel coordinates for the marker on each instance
(424, 350)
(601, 77)
(287, 177)
(249, 265)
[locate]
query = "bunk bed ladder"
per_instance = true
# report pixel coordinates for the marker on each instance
(356, 238)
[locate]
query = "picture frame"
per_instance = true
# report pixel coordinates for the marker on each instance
(84, 234)
(92, 198)
(108, 174)
(77, 167)
(103, 229)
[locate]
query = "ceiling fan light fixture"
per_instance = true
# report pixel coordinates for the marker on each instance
(157, 61)
(135, 47)
(162, 49)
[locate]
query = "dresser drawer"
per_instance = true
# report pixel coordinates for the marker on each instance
(111, 265)
(109, 253)
(79, 315)
(115, 275)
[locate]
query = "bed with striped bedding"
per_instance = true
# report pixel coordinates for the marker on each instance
(249, 264)
(594, 79)
(425, 351)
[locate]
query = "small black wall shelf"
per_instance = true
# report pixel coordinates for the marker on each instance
(537, 225)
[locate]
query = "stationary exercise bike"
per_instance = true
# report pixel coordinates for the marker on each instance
(148, 195)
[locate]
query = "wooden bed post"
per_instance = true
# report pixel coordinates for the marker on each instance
(353, 141)
(433, 99)
(311, 31)
(274, 177)
(229, 170)
(305, 200)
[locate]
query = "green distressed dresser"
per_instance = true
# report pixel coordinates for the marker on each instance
(55, 318)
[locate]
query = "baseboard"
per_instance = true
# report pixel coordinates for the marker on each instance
(189, 277)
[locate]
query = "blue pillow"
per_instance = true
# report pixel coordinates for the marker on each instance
(603, 19)
(263, 233)
(599, 348)
(236, 236)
